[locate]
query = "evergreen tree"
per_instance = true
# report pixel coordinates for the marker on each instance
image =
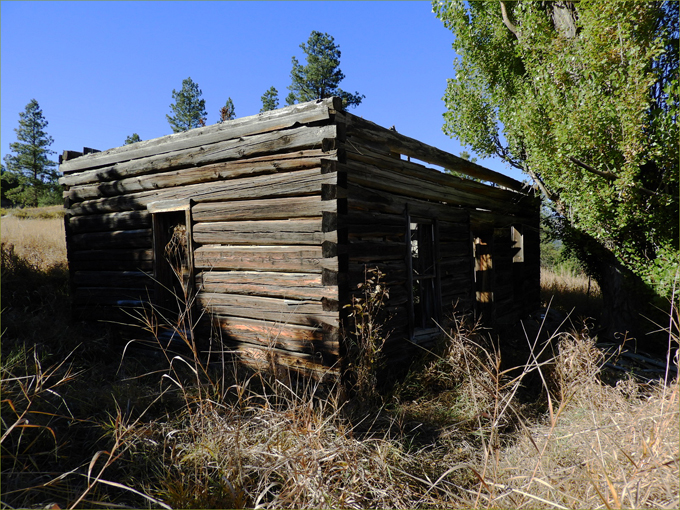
(188, 109)
(134, 138)
(322, 75)
(227, 112)
(31, 169)
(270, 100)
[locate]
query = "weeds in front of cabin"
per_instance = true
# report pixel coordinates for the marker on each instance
(180, 429)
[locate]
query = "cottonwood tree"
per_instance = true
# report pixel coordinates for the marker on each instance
(188, 109)
(30, 171)
(321, 76)
(270, 100)
(583, 97)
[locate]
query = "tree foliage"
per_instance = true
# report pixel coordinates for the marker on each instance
(133, 138)
(188, 109)
(30, 175)
(228, 112)
(583, 97)
(321, 76)
(270, 100)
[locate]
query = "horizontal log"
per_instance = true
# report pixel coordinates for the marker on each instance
(358, 151)
(290, 140)
(115, 239)
(299, 183)
(455, 266)
(116, 254)
(301, 286)
(264, 232)
(268, 334)
(263, 122)
(134, 279)
(264, 258)
(111, 296)
(287, 311)
(359, 128)
(455, 249)
(314, 366)
(263, 165)
(453, 231)
(366, 251)
(362, 198)
(394, 272)
(129, 220)
(406, 185)
(268, 209)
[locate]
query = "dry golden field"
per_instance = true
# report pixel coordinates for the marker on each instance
(40, 241)
(87, 424)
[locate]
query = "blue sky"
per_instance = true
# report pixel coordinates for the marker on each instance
(104, 70)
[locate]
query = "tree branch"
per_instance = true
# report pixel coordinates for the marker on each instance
(608, 175)
(507, 21)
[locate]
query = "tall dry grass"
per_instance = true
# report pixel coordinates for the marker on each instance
(178, 429)
(40, 242)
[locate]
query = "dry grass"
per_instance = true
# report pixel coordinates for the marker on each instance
(570, 292)
(177, 430)
(39, 241)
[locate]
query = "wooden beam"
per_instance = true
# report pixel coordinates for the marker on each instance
(274, 120)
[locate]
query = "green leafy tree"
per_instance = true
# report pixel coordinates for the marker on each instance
(188, 110)
(134, 138)
(467, 156)
(583, 97)
(30, 170)
(227, 112)
(321, 77)
(270, 100)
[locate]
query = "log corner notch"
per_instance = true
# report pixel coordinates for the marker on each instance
(284, 211)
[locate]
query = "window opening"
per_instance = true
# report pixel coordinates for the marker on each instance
(173, 268)
(517, 236)
(424, 291)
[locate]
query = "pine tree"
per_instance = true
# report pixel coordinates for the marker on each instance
(134, 138)
(188, 109)
(270, 100)
(227, 112)
(31, 169)
(322, 75)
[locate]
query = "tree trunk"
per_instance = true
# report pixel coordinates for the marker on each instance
(627, 302)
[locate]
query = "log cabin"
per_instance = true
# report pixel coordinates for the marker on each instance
(269, 223)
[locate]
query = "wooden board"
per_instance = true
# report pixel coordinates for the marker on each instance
(359, 128)
(134, 279)
(286, 311)
(129, 220)
(385, 180)
(263, 122)
(301, 286)
(140, 238)
(268, 334)
(264, 232)
(280, 141)
(298, 259)
(267, 209)
(300, 183)
(263, 165)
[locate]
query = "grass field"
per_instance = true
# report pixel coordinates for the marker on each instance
(86, 426)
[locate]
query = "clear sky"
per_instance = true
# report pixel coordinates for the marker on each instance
(104, 70)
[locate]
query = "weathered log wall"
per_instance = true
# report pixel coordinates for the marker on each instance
(286, 210)
(262, 201)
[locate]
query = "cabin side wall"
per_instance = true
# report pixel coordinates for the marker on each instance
(484, 239)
